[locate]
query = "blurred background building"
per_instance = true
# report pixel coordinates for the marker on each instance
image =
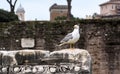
(58, 11)
(20, 13)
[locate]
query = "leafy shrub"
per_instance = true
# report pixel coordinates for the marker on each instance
(61, 18)
(6, 16)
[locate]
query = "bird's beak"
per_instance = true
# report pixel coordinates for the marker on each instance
(79, 25)
(74, 26)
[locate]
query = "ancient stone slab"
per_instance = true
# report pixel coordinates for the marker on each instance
(66, 61)
(74, 55)
(27, 42)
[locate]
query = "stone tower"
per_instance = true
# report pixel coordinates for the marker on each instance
(58, 11)
(21, 13)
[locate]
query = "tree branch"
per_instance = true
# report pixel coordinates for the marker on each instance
(15, 2)
(12, 4)
(8, 1)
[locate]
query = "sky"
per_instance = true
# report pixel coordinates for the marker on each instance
(39, 9)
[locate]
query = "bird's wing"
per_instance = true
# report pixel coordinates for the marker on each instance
(67, 38)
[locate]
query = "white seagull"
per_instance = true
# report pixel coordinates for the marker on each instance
(71, 38)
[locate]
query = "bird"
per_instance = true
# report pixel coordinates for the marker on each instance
(71, 38)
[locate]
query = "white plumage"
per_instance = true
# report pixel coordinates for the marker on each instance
(71, 38)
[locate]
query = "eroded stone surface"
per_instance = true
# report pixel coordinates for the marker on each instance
(76, 55)
(34, 61)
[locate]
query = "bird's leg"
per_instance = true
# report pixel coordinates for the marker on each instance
(73, 46)
(70, 46)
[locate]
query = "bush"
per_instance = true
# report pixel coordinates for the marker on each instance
(61, 18)
(6, 16)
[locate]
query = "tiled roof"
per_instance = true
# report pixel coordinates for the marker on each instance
(110, 2)
(20, 9)
(55, 6)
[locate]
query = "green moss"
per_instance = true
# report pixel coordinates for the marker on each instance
(30, 28)
(53, 32)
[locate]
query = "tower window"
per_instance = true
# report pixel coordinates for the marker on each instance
(112, 7)
(21, 15)
(102, 8)
(106, 7)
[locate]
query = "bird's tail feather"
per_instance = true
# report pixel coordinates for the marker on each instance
(60, 44)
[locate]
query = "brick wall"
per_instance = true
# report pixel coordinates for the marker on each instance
(55, 13)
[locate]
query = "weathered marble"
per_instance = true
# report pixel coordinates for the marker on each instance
(30, 56)
(8, 58)
(72, 61)
(80, 56)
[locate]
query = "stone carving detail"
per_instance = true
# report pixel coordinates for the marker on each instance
(44, 62)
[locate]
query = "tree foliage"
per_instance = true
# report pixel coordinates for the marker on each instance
(64, 18)
(6, 16)
(61, 18)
